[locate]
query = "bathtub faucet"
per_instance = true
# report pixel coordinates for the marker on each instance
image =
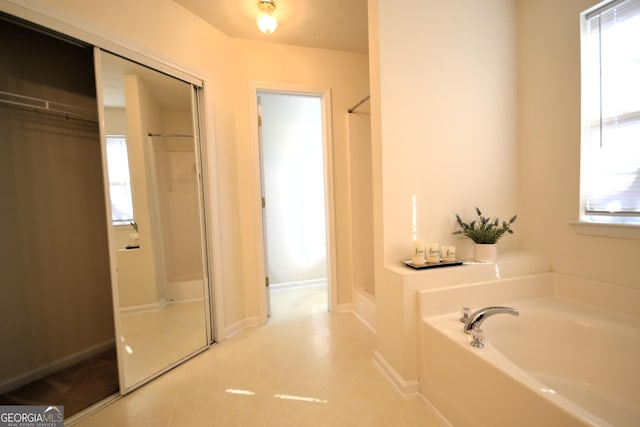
(475, 319)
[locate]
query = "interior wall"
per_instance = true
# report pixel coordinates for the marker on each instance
(448, 118)
(294, 188)
(346, 74)
(443, 109)
(55, 289)
(549, 143)
(178, 34)
(359, 136)
(229, 65)
(138, 278)
(178, 199)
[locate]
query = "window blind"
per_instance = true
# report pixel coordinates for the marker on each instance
(612, 74)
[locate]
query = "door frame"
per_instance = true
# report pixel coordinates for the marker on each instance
(327, 150)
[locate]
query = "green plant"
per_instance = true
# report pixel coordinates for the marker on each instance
(484, 230)
(134, 225)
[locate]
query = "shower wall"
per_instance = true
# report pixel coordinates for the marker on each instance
(359, 128)
(177, 194)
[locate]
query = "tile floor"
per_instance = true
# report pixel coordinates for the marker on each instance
(306, 367)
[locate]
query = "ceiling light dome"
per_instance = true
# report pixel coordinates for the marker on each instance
(266, 21)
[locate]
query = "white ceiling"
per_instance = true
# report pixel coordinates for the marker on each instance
(327, 24)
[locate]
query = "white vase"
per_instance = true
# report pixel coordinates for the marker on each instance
(487, 252)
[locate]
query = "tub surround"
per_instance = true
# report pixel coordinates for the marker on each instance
(547, 383)
(396, 311)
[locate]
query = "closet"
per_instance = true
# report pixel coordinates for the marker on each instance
(57, 317)
(74, 327)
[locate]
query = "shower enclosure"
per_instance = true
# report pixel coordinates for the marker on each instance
(175, 191)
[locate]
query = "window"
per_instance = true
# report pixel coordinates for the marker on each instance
(610, 181)
(119, 180)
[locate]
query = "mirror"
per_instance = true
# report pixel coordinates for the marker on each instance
(152, 153)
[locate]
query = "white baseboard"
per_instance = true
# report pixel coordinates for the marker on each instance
(298, 284)
(144, 307)
(187, 290)
(239, 326)
(364, 306)
(408, 389)
(443, 422)
(345, 308)
(54, 366)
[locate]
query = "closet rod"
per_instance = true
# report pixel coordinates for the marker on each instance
(48, 107)
(362, 101)
(170, 135)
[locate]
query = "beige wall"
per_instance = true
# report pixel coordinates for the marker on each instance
(347, 76)
(359, 136)
(448, 129)
(549, 147)
(493, 102)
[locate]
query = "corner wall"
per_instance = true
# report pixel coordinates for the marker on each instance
(549, 144)
(444, 92)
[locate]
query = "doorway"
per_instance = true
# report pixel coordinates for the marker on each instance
(291, 141)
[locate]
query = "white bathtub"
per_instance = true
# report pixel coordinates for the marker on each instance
(560, 363)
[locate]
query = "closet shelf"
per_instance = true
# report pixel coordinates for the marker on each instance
(50, 107)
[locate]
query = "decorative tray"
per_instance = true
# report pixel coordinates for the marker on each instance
(434, 265)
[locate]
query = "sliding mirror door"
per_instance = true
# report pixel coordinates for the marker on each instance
(158, 239)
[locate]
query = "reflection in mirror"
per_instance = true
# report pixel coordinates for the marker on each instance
(156, 212)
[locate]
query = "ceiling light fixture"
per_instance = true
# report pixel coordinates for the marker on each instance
(266, 21)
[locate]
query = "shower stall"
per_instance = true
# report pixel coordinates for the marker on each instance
(174, 191)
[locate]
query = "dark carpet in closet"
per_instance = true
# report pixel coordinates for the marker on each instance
(76, 387)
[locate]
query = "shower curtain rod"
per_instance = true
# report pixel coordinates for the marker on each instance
(362, 101)
(170, 135)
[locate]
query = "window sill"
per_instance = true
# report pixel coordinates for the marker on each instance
(619, 231)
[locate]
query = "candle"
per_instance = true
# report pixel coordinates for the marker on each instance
(449, 253)
(433, 253)
(417, 252)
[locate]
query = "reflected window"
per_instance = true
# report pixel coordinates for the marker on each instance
(119, 180)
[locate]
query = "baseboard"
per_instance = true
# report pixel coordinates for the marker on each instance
(144, 307)
(298, 284)
(345, 308)
(241, 325)
(54, 366)
(364, 307)
(184, 291)
(443, 422)
(408, 389)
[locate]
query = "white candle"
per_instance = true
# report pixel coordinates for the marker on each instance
(449, 253)
(417, 252)
(433, 253)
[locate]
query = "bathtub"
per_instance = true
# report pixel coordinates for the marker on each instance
(561, 362)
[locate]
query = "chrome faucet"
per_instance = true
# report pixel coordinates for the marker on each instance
(475, 319)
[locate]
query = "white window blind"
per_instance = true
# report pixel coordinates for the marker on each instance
(611, 112)
(119, 180)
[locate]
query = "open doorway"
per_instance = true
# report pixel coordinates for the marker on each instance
(294, 202)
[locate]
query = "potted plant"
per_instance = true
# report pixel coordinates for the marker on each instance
(485, 233)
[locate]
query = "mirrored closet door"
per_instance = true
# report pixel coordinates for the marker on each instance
(152, 154)
(104, 280)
